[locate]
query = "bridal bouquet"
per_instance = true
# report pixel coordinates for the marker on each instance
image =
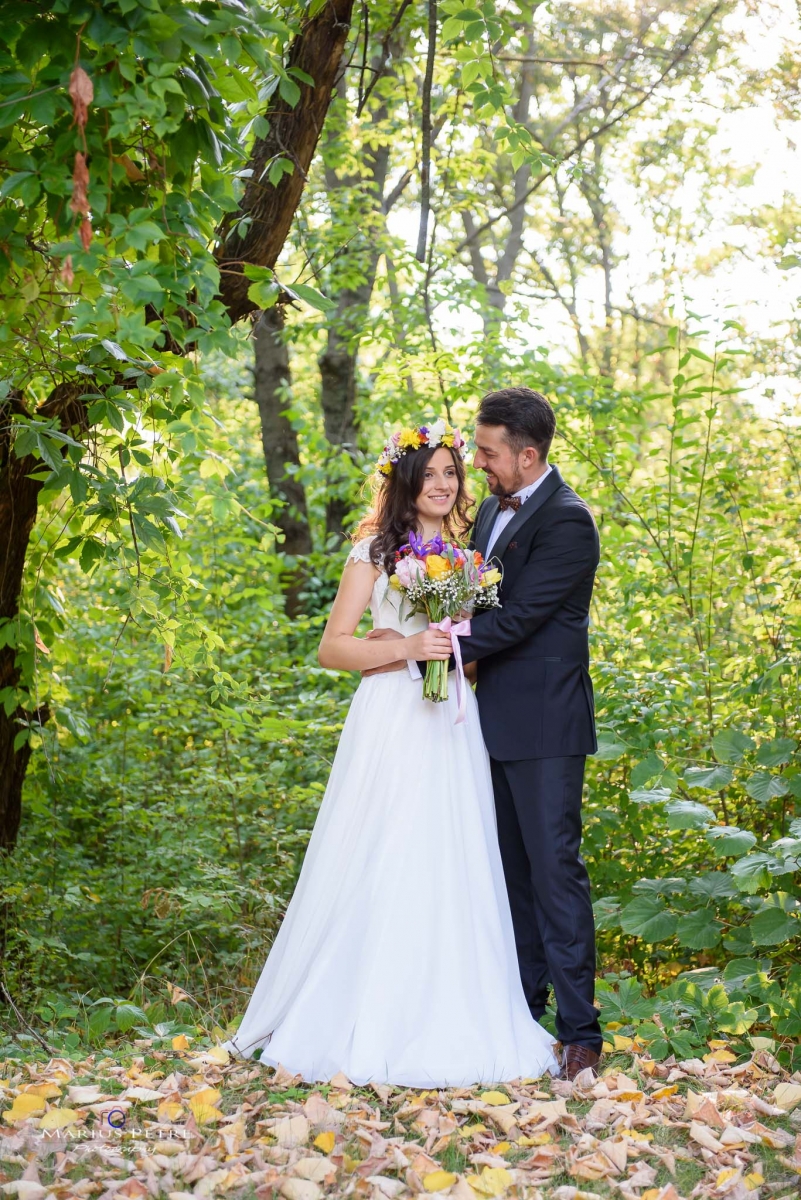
(442, 580)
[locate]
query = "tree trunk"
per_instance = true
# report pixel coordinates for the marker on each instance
(338, 361)
(294, 133)
(19, 496)
(338, 394)
(272, 385)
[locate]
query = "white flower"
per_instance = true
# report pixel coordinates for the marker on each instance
(436, 432)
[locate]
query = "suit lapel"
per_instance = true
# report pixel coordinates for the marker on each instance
(486, 519)
(527, 510)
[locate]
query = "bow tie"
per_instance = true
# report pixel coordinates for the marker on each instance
(512, 502)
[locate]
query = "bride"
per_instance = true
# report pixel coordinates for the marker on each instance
(396, 961)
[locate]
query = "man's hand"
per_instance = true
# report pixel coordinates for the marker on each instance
(400, 665)
(471, 672)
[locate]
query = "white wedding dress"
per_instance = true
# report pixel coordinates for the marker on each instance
(396, 962)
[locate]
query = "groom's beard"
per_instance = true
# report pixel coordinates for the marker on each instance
(499, 489)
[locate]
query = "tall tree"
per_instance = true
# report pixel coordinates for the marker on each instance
(121, 144)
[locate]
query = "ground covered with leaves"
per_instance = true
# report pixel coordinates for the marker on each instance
(186, 1121)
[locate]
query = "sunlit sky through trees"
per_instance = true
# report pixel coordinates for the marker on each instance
(714, 256)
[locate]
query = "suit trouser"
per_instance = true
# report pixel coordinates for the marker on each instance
(538, 806)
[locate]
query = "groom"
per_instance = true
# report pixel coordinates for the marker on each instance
(535, 700)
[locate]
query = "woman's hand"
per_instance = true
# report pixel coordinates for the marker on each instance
(430, 644)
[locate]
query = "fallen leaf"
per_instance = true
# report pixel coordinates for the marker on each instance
(436, 1181)
(325, 1141)
(700, 1133)
(787, 1096)
(494, 1180)
(25, 1105)
(289, 1131)
(59, 1118)
(25, 1189)
(300, 1189)
(316, 1169)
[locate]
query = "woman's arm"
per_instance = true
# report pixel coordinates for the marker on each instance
(341, 651)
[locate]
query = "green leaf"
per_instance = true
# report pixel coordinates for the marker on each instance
(752, 872)
(713, 885)
(265, 293)
(609, 749)
(699, 930)
(712, 779)
(736, 1019)
(657, 795)
(91, 551)
(688, 814)
(316, 299)
(771, 926)
(21, 738)
(470, 72)
(646, 918)
(289, 91)
(738, 971)
(728, 839)
(651, 767)
(127, 1016)
(278, 168)
(764, 787)
(776, 753)
(606, 912)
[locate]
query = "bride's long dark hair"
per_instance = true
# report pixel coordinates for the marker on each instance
(394, 509)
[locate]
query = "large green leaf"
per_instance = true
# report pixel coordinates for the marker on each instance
(729, 840)
(730, 745)
(647, 918)
(656, 795)
(772, 926)
(712, 779)
(753, 872)
(764, 787)
(688, 814)
(736, 1019)
(712, 885)
(651, 767)
(606, 912)
(699, 930)
(776, 753)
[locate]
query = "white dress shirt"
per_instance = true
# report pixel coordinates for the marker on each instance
(503, 518)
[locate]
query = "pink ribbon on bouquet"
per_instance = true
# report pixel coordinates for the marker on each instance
(456, 630)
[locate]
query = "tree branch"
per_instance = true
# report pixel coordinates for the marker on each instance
(425, 163)
(582, 142)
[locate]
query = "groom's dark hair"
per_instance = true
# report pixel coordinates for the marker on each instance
(526, 416)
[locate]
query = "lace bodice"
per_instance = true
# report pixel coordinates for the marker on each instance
(386, 605)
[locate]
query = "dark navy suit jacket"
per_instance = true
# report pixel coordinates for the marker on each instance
(534, 689)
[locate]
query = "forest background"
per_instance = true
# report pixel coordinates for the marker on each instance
(219, 293)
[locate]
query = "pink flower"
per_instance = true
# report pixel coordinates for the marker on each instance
(409, 570)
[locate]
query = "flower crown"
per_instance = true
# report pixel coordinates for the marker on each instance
(440, 433)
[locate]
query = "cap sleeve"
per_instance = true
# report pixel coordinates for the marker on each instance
(361, 551)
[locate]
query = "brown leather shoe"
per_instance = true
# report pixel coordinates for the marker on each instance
(578, 1058)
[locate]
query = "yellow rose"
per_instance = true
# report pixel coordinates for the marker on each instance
(437, 567)
(493, 576)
